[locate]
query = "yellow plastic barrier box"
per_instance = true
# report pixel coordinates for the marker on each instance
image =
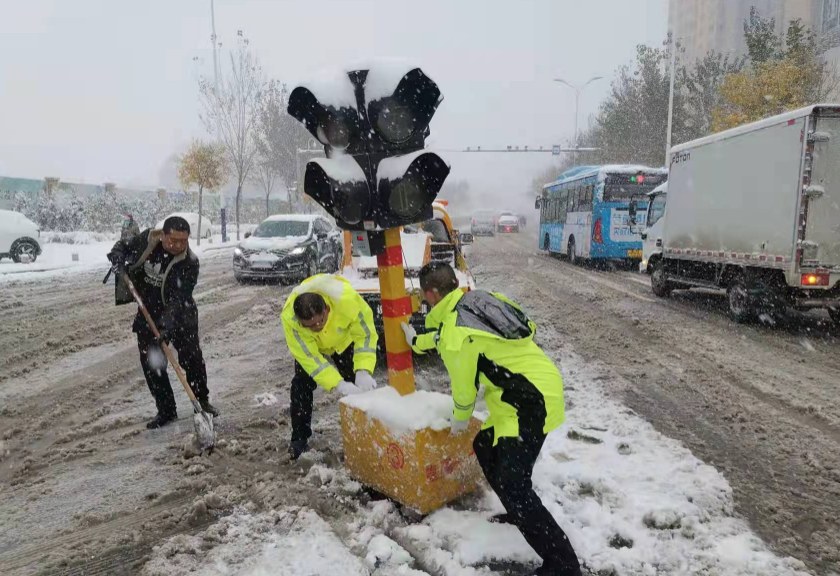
(401, 447)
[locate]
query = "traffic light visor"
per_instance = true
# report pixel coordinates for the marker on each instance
(340, 186)
(408, 185)
(407, 110)
(334, 122)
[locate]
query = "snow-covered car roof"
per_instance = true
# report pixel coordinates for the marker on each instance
(292, 218)
(508, 217)
(661, 188)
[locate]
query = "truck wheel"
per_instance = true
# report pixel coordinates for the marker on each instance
(740, 303)
(570, 252)
(834, 313)
(547, 243)
(658, 284)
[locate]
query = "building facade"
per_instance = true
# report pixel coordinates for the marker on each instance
(703, 25)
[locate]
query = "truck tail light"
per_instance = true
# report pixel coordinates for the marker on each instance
(597, 236)
(815, 279)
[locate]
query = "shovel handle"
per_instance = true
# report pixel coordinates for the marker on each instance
(163, 345)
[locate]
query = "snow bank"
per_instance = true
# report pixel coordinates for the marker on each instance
(407, 413)
(57, 259)
(77, 237)
(632, 501)
(282, 543)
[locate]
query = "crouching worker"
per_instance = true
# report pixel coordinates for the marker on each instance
(164, 270)
(485, 338)
(325, 317)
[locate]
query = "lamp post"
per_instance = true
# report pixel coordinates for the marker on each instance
(577, 90)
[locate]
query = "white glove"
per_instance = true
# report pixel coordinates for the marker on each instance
(347, 388)
(364, 381)
(457, 426)
(410, 333)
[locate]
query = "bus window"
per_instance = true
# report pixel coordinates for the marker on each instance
(585, 199)
(564, 198)
(574, 194)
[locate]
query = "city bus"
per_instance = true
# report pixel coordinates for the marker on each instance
(585, 213)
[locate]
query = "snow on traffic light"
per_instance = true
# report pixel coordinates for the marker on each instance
(373, 123)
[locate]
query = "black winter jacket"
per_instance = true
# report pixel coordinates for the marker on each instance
(167, 291)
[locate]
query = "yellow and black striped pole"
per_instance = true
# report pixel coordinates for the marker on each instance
(396, 308)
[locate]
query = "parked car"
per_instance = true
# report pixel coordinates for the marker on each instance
(289, 247)
(483, 223)
(508, 223)
(18, 237)
(192, 218)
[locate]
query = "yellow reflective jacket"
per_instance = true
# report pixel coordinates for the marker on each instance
(350, 321)
(485, 338)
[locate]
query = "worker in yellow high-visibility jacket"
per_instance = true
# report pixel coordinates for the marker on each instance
(324, 316)
(484, 338)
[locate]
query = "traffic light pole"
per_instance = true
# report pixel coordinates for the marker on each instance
(396, 308)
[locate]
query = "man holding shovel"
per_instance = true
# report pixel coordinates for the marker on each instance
(164, 271)
(485, 338)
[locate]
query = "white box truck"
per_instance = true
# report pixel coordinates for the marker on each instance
(756, 211)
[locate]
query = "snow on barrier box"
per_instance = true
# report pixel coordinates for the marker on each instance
(401, 447)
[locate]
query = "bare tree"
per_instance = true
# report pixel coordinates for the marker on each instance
(265, 175)
(230, 110)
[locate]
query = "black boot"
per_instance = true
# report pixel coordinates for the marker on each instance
(502, 518)
(209, 408)
(298, 447)
(161, 420)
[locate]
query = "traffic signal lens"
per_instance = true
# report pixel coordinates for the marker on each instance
(351, 201)
(333, 132)
(395, 122)
(407, 199)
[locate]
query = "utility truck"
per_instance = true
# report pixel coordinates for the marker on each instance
(756, 211)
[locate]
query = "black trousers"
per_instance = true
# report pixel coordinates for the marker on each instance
(508, 467)
(153, 361)
(303, 387)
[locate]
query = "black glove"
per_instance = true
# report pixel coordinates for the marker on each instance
(117, 259)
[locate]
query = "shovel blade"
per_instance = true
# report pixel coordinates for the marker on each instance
(204, 431)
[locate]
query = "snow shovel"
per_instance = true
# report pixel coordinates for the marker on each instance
(202, 421)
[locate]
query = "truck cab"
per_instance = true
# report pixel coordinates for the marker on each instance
(654, 223)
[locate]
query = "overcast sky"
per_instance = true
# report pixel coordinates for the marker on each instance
(96, 90)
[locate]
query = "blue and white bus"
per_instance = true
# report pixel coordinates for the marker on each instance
(585, 213)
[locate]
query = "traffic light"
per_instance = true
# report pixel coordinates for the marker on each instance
(373, 124)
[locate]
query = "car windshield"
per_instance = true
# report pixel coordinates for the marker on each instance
(281, 228)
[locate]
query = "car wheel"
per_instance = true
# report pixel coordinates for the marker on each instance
(740, 303)
(570, 251)
(834, 313)
(24, 248)
(311, 267)
(239, 278)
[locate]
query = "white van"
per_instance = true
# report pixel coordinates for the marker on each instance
(18, 237)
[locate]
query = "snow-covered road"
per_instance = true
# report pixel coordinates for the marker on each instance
(86, 488)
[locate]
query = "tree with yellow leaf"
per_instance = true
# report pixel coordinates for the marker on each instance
(782, 76)
(204, 165)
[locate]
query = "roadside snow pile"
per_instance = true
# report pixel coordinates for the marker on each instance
(77, 237)
(289, 542)
(58, 258)
(632, 501)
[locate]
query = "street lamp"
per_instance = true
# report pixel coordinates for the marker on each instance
(577, 90)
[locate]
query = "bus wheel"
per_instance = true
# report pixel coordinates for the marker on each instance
(658, 284)
(570, 251)
(547, 243)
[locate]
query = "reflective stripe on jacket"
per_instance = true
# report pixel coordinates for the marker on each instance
(485, 338)
(350, 321)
